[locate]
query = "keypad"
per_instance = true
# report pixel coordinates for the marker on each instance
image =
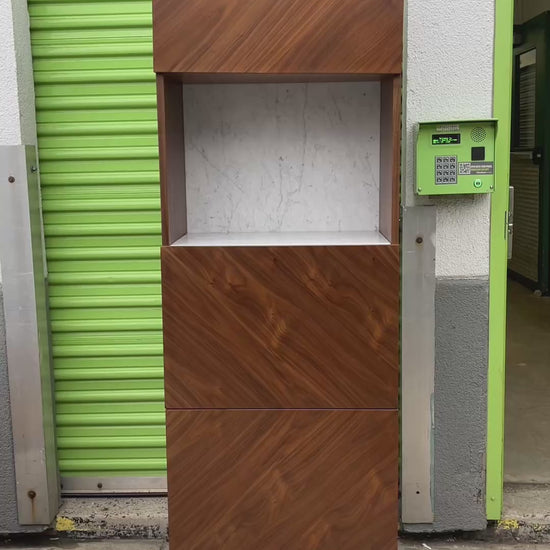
(445, 170)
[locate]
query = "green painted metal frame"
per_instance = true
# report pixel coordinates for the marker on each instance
(502, 107)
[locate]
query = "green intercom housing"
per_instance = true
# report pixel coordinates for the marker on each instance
(456, 157)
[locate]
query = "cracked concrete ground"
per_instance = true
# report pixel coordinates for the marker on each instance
(56, 543)
(525, 521)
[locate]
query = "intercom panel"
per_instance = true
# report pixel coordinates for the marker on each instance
(455, 157)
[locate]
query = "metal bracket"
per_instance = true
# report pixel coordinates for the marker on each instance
(509, 222)
(27, 336)
(417, 363)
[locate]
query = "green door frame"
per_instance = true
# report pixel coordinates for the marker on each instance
(502, 109)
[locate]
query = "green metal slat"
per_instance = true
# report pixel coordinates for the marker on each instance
(82, 142)
(68, 302)
(86, 464)
(107, 431)
(126, 413)
(99, 129)
(76, 364)
(110, 217)
(106, 324)
(99, 153)
(121, 454)
(82, 254)
(98, 350)
(89, 8)
(118, 442)
(72, 77)
(117, 313)
(111, 291)
(92, 229)
(93, 91)
(92, 50)
(86, 21)
(108, 374)
(100, 178)
(76, 166)
(98, 204)
(108, 396)
(96, 121)
(145, 386)
(95, 115)
(100, 192)
(94, 63)
(102, 266)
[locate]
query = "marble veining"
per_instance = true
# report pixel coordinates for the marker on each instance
(282, 157)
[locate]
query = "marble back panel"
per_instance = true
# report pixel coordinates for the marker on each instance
(282, 157)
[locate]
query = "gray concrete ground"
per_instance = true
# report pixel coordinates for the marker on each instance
(527, 425)
(67, 544)
(529, 503)
(112, 517)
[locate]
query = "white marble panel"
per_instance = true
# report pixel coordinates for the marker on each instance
(282, 157)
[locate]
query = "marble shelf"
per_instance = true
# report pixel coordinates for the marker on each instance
(290, 238)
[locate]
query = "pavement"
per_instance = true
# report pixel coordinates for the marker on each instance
(57, 543)
(526, 521)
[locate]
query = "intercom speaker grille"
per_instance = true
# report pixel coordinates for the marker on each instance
(478, 134)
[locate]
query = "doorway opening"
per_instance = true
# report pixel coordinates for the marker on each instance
(527, 420)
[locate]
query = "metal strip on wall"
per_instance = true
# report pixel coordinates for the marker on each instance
(27, 337)
(96, 116)
(417, 363)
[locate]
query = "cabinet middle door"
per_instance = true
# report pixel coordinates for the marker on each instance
(281, 327)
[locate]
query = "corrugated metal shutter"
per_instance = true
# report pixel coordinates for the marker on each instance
(524, 177)
(96, 114)
(527, 83)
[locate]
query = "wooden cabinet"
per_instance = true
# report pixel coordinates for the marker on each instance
(281, 348)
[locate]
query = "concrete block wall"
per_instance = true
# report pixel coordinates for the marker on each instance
(449, 76)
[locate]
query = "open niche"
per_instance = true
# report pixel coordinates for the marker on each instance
(278, 121)
(279, 164)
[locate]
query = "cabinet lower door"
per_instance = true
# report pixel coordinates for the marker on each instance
(283, 479)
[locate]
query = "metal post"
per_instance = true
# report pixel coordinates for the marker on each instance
(417, 363)
(24, 280)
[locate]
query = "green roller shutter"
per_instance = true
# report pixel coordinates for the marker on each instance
(96, 114)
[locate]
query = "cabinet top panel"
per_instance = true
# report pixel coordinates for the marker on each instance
(278, 37)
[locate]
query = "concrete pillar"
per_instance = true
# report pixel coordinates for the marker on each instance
(448, 76)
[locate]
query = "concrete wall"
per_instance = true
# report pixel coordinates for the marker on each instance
(453, 83)
(17, 112)
(527, 9)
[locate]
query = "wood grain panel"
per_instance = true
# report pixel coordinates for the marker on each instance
(171, 159)
(390, 157)
(273, 480)
(281, 327)
(278, 36)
